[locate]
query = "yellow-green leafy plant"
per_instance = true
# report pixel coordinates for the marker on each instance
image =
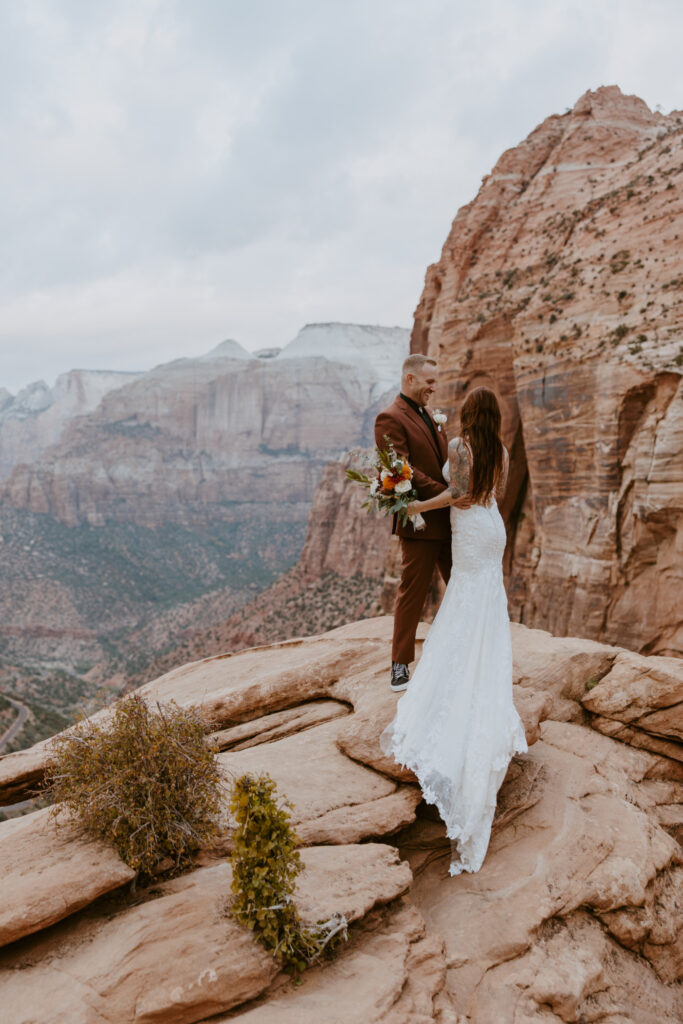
(265, 864)
(146, 779)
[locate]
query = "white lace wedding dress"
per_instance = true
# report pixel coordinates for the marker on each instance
(456, 726)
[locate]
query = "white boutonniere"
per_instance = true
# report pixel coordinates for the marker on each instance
(439, 418)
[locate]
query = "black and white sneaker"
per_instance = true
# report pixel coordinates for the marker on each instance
(400, 675)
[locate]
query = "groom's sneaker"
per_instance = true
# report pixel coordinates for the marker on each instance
(399, 676)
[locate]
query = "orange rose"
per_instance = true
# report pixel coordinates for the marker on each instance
(406, 472)
(389, 483)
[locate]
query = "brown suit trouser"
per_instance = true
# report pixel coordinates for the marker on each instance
(420, 557)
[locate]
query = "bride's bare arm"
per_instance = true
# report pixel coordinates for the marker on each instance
(440, 501)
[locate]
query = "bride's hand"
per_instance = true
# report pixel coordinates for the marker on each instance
(414, 508)
(464, 501)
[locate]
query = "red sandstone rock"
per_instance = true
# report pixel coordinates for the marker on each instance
(575, 912)
(178, 957)
(561, 285)
(49, 873)
(213, 459)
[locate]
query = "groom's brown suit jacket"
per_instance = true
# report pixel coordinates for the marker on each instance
(413, 440)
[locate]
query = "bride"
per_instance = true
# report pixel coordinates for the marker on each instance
(456, 726)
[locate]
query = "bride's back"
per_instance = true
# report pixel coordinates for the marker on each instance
(461, 474)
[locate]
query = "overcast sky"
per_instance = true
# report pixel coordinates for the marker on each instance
(177, 173)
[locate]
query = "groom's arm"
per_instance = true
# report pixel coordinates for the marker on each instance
(387, 426)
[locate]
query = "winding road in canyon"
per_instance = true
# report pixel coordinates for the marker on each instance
(16, 725)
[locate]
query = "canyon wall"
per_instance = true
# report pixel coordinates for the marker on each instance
(36, 417)
(174, 501)
(227, 431)
(561, 286)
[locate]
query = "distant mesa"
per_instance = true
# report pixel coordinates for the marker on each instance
(35, 418)
(375, 351)
(178, 496)
(228, 349)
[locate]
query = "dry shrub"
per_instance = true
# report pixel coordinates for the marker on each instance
(265, 864)
(146, 780)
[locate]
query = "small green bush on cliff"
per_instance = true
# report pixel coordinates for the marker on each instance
(145, 780)
(265, 864)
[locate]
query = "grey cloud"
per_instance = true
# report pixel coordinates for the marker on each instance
(178, 173)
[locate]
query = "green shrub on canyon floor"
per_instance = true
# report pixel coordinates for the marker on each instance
(146, 780)
(265, 864)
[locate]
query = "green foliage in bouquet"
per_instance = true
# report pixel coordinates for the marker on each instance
(387, 491)
(265, 864)
(146, 780)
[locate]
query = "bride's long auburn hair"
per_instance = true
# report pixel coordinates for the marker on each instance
(480, 425)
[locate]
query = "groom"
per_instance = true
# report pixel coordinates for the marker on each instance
(416, 437)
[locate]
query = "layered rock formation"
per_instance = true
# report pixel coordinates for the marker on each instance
(223, 430)
(181, 495)
(340, 576)
(574, 916)
(561, 285)
(35, 418)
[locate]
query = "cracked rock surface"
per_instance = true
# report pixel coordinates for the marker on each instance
(575, 915)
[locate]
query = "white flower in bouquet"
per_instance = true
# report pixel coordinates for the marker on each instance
(390, 493)
(440, 418)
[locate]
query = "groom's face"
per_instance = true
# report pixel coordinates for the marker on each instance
(422, 383)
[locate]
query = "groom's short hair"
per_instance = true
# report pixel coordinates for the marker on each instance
(415, 362)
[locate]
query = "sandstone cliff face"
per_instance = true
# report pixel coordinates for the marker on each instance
(36, 417)
(338, 538)
(341, 575)
(183, 494)
(574, 916)
(561, 285)
(222, 430)
(579, 340)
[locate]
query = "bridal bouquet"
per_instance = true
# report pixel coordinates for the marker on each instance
(390, 486)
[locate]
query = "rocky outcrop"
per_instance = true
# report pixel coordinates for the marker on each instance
(575, 914)
(395, 973)
(341, 576)
(640, 700)
(73, 872)
(566, 919)
(215, 963)
(557, 287)
(561, 285)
